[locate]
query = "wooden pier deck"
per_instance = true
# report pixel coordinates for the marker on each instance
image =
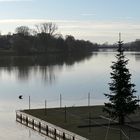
(46, 128)
(78, 123)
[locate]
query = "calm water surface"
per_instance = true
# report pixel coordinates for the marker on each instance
(47, 77)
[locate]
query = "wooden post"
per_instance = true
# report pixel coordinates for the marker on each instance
(60, 101)
(27, 121)
(47, 130)
(88, 99)
(64, 136)
(29, 103)
(89, 122)
(54, 133)
(89, 117)
(138, 101)
(33, 123)
(65, 114)
(39, 126)
(45, 107)
(21, 118)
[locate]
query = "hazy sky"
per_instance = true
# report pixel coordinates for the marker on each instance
(95, 20)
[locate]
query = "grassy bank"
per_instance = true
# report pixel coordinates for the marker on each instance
(89, 122)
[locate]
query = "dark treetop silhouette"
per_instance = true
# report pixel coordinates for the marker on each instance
(45, 39)
(42, 39)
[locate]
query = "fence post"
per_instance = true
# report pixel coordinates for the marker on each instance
(39, 126)
(45, 107)
(65, 114)
(27, 121)
(54, 133)
(60, 101)
(33, 123)
(21, 118)
(47, 130)
(63, 136)
(29, 103)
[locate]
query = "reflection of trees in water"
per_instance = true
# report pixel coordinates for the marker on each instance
(48, 66)
(48, 74)
(137, 56)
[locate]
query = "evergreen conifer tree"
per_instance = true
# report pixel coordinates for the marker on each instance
(122, 100)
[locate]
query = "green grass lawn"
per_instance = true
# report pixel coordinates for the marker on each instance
(77, 121)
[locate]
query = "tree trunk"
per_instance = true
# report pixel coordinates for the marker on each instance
(121, 120)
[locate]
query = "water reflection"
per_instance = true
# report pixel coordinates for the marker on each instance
(74, 76)
(48, 66)
(137, 56)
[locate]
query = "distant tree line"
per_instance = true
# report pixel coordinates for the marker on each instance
(133, 46)
(45, 39)
(130, 46)
(42, 39)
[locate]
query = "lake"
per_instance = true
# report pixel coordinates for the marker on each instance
(46, 77)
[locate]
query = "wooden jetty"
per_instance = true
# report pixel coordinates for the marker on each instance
(46, 128)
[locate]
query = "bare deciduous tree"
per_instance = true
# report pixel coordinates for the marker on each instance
(49, 28)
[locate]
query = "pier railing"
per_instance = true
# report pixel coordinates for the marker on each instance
(46, 128)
